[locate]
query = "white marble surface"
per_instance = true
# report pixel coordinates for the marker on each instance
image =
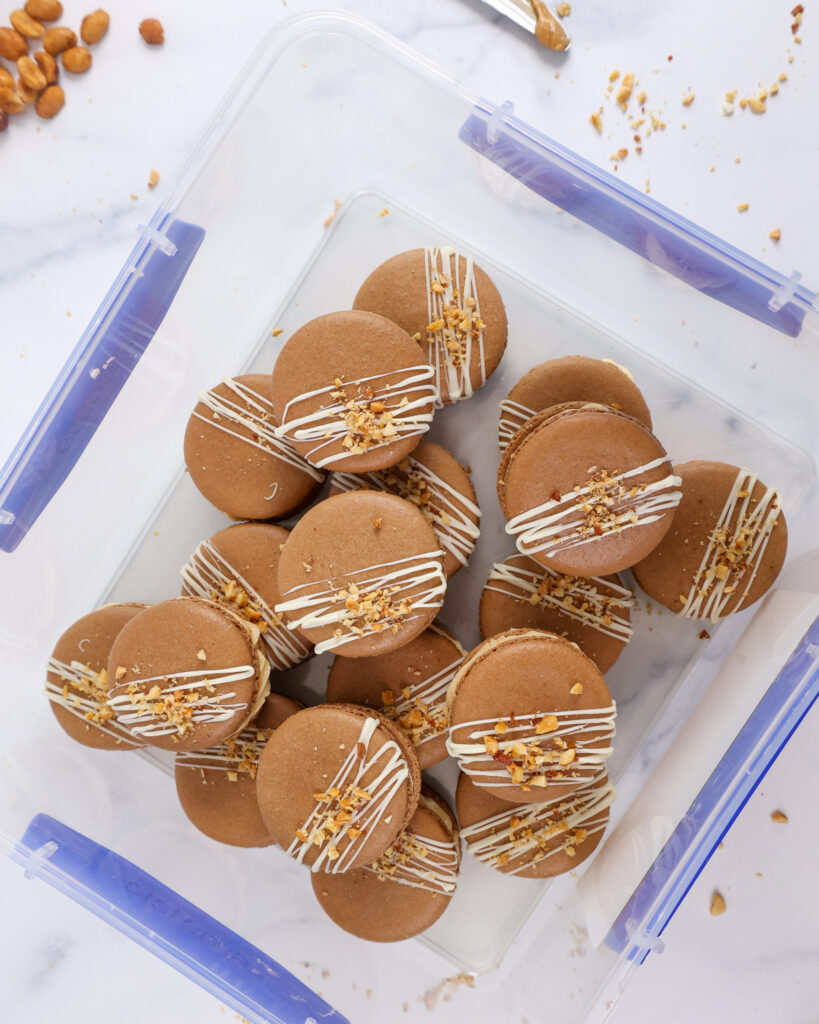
(66, 225)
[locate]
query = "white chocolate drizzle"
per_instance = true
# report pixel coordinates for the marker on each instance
(513, 415)
(239, 754)
(592, 601)
(525, 834)
(448, 511)
(142, 710)
(521, 743)
(208, 573)
(247, 408)
(735, 549)
(561, 523)
(458, 312)
(330, 824)
(405, 588)
(422, 863)
(421, 709)
(327, 426)
(90, 703)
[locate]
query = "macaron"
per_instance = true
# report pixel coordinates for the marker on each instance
(594, 613)
(408, 685)
(352, 391)
(238, 567)
(187, 674)
(235, 458)
(725, 548)
(435, 482)
(407, 889)
(530, 716)
(336, 785)
(361, 574)
(217, 786)
(586, 490)
(450, 306)
(538, 840)
(570, 379)
(77, 679)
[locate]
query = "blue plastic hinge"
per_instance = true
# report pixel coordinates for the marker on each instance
(172, 928)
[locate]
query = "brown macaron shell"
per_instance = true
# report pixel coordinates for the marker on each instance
(78, 692)
(725, 548)
(427, 479)
(381, 546)
(360, 379)
(151, 691)
(414, 679)
(217, 786)
(570, 379)
(235, 460)
(530, 687)
(238, 567)
(555, 457)
(390, 900)
(593, 613)
(401, 290)
(533, 840)
(327, 747)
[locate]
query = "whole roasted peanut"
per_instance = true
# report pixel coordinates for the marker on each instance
(58, 39)
(48, 65)
(12, 44)
(50, 102)
(30, 75)
(44, 10)
(10, 102)
(94, 26)
(26, 25)
(152, 32)
(76, 60)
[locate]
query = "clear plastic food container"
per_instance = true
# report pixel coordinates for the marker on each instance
(95, 504)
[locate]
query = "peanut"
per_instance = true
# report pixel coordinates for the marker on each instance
(44, 10)
(48, 65)
(26, 25)
(58, 39)
(10, 102)
(94, 26)
(26, 95)
(30, 75)
(152, 32)
(76, 59)
(12, 44)
(50, 102)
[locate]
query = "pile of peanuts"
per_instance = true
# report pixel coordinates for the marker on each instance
(38, 74)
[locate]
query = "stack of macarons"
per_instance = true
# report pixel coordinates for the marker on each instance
(379, 519)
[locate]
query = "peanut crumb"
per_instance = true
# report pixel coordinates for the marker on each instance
(776, 234)
(576, 689)
(277, 331)
(596, 120)
(153, 179)
(688, 99)
(742, 207)
(200, 654)
(717, 904)
(779, 817)
(384, 213)
(563, 10)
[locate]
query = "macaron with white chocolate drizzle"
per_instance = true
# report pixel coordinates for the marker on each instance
(336, 785)
(725, 548)
(586, 490)
(352, 391)
(539, 840)
(238, 567)
(217, 786)
(408, 685)
(361, 574)
(570, 379)
(187, 674)
(444, 300)
(235, 458)
(593, 613)
(77, 679)
(530, 716)
(435, 482)
(407, 889)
